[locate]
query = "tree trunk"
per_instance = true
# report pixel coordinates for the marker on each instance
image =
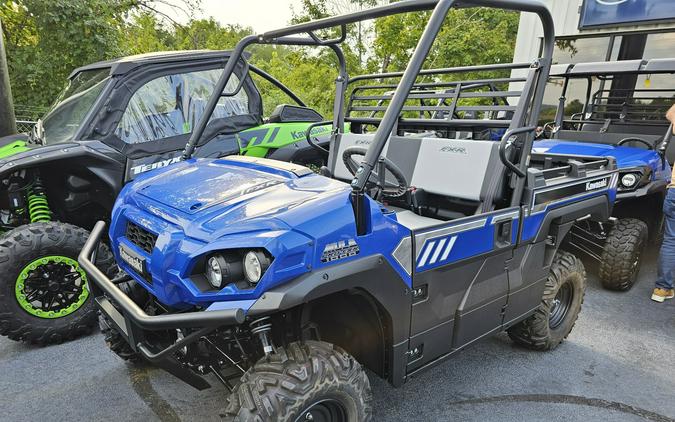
(7, 118)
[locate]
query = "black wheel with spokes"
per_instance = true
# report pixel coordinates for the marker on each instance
(51, 287)
(560, 305)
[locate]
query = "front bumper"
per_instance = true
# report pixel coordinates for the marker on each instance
(133, 323)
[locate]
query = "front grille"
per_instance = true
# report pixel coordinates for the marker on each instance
(141, 237)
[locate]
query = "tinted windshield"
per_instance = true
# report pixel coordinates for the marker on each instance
(73, 104)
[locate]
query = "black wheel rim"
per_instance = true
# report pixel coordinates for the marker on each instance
(561, 305)
(328, 410)
(636, 263)
(51, 287)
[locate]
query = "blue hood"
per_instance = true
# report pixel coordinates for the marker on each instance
(211, 198)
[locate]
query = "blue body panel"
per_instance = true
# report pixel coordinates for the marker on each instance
(202, 206)
(626, 157)
(199, 207)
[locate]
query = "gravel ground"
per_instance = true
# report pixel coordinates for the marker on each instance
(617, 365)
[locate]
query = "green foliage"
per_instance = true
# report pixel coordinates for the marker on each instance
(312, 78)
(47, 40)
(469, 37)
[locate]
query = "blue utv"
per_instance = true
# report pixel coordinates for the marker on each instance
(616, 109)
(283, 284)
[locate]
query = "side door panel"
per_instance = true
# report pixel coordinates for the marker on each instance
(460, 283)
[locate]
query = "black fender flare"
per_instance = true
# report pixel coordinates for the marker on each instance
(103, 165)
(372, 274)
(598, 207)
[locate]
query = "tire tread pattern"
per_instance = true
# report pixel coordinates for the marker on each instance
(282, 384)
(18, 247)
(534, 332)
(115, 342)
(624, 244)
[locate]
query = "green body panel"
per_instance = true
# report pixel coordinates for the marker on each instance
(13, 148)
(258, 141)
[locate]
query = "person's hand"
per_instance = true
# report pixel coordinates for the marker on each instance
(670, 115)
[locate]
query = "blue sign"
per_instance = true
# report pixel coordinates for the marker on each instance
(596, 13)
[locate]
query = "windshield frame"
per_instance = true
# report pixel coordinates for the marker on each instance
(82, 129)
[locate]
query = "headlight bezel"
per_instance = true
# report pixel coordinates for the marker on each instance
(642, 177)
(231, 263)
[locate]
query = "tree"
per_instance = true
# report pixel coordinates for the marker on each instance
(468, 37)
(47, 40)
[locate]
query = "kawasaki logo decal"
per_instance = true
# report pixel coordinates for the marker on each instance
(596, 185)
(317, 131)
(340, 250)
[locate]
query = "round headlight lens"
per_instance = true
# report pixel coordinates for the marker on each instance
(214, 272)
(629, 180)
(252, 267)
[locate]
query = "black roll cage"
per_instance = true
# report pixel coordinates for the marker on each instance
(617, 109)
(525, 117)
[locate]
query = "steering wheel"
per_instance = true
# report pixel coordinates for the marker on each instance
(638, 140)
(380, 182)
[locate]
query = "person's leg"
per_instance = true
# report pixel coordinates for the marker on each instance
(666, 266)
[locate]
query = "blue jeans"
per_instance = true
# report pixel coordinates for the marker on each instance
(667, 256)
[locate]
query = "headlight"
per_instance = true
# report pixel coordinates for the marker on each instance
(629, 180)
(255, 264)
(214, 271)
(221, 270)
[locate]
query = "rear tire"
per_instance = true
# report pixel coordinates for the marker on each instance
(310, 377)
(622, 254)
(40, 250)
(559, 309)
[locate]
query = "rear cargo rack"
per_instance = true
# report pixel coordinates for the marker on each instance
(434, 103)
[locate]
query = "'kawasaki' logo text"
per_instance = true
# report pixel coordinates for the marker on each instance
(596, 185)
(136, 170)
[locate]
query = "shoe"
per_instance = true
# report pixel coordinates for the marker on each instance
(660, 295)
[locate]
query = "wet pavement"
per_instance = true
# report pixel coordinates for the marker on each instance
(617, 365)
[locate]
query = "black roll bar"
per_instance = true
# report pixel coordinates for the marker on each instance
(444, 71)
(274, 81)
(289, 36)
